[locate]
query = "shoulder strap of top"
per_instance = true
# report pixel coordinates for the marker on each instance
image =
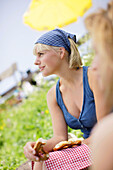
(57, 91)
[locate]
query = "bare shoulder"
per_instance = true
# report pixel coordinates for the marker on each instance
(102, 143)
(51, 95)
(106, 124)
(104, 129)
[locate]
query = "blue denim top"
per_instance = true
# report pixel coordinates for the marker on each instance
(87, 118)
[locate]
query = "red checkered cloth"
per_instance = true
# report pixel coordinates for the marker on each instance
(70, 159)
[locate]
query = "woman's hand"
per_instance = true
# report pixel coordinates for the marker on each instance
(29, 152)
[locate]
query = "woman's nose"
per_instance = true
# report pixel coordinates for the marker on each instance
(37, 61)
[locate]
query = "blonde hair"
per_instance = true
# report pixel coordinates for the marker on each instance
(100, 26)
(41, 47)
(74, 58)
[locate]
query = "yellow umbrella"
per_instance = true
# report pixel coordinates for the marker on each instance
(49, 14)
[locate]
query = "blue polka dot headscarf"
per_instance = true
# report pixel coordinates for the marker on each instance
(58, 38)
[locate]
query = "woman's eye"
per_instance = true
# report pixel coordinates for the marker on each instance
(41, 54)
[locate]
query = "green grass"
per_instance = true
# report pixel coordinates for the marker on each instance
(22, 123)
(26, 122)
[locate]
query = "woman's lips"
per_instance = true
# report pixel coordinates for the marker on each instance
(41, 68)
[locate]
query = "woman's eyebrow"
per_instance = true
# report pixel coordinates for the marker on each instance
(41, 51)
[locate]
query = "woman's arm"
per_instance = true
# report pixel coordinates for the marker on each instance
(60, 132)
(59, 127)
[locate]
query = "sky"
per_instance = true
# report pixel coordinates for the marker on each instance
(17, 39)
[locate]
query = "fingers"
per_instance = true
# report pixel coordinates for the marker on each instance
(29, 147)
(29, 152)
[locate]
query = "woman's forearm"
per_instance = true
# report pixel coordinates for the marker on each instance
(52, 142)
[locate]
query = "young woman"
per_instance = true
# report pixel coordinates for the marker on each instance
(102, 135)
(75, 100)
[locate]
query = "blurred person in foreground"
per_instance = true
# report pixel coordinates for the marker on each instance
(100, 26)
(74, 100)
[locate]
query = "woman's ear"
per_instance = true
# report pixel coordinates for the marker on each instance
(62, 52)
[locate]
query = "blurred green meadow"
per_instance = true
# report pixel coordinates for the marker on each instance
(21, 123)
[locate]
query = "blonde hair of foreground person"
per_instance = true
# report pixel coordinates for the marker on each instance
(100, 26)
(74, 58)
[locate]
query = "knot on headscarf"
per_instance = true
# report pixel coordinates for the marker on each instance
(58, 38)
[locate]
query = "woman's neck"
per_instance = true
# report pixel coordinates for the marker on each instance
(71, 77)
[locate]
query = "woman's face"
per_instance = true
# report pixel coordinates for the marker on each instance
(48, 62)
(101, 66)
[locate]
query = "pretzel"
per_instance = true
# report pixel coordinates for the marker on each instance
(61, 145)
(67, 144)
(75, 142)
(43, 155)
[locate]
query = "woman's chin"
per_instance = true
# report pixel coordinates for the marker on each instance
(45, 74)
